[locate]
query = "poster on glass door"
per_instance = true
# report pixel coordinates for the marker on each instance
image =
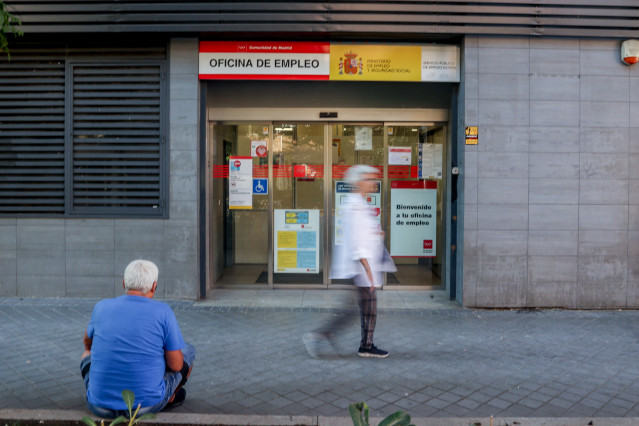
(343, 190)
(296, 241)
(429, 162)
(413, 218)
(240, 183)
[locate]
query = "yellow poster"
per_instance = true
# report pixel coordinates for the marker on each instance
(286, 259)
(286, 239)
(361, 62)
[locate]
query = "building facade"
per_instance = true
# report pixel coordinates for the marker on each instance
(115, 144)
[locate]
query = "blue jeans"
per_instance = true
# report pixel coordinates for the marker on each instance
(171, 381)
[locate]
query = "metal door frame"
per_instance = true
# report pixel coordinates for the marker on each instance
(349, 116)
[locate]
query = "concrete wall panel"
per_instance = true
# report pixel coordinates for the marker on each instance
(559, 62)
(562, 113)
(559, 165)
(554, 88)
(603, 243)
(9, 273)
(554, 139)
(506, 191)
(559, 217)
(553, 191)
(563, 229)
(503, 60)
(553, 243)
(605, 140)
(502, 217)
(505, 87)
(502, 165)
(504, 139)
(502, 281)
(602, 282)
(603, 191)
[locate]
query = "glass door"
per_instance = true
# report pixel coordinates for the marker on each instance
(273, 183)
(354, 143)
(414, 203)
(240, 204)
(298, 203)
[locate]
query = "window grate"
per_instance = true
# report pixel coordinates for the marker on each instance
(117, 139)
(32, 97)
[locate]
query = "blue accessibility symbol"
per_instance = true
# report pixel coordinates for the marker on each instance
(260, 186)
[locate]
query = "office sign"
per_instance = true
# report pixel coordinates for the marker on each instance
(370, 62)
(263, 60)
(268, 60)
(413, 218)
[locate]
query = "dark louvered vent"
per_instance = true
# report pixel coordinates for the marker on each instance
(31, 134)
(117, 139)
(393, 18)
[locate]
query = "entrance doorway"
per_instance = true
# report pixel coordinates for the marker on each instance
(276, 191)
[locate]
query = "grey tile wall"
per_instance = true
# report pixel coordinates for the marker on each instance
(552, 188)
(87, 257)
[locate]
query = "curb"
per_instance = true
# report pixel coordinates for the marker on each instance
(66, 417)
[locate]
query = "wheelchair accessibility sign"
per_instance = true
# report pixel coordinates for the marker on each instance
(260, 186)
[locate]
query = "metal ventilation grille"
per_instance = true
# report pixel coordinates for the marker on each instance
(397, 18)
(31, 135)
(117, 139)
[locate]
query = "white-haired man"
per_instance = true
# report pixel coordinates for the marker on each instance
(134, 343)
(362, 258)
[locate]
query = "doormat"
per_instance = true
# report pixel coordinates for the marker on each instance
(289, 279)
(294, 279)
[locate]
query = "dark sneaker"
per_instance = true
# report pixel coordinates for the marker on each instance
(372, 352)
(178, 400)
(318, 344)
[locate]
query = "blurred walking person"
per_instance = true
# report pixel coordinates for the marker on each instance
(362, 258)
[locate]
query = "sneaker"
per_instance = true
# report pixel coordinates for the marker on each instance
(178, 400)
(313, 342)
(372, 352)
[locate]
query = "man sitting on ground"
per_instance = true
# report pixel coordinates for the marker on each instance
(134, 343)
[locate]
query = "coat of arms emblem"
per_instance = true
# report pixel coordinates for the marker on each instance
(351, 65)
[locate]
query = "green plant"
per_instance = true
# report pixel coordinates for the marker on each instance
(359, 414)
(8, 23)
(128, 398)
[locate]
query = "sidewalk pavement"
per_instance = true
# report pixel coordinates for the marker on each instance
(447, 366)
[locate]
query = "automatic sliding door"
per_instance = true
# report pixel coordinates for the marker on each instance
(298, 203)
(361, 143)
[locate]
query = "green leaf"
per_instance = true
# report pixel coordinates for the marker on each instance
(119, 420)
(398, 418)
(144, 417)
(365, 408)
(89, 421)
(355, 411)
(128, 398)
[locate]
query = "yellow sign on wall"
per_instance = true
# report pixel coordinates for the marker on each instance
(471, 135)
(360, 62)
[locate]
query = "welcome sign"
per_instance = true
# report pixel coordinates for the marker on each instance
(328, 61)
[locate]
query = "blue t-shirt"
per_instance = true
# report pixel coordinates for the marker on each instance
(130, 335)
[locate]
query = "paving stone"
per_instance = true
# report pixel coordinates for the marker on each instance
(499, 403)
(252, 361)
